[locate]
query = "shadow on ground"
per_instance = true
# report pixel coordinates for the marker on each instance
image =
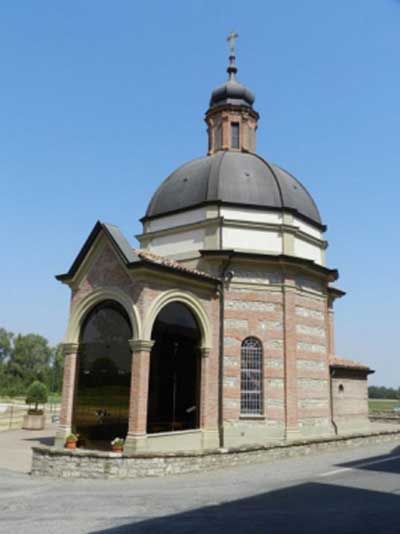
(307, 508)
(385, 463)
(44, 440)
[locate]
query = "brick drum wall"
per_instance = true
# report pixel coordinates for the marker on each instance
(257, 313)
(312, 365)
(264, 312)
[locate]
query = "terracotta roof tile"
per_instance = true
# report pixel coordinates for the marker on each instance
(335, 361)
(146, 255)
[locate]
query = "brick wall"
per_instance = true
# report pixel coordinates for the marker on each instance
(350, 399)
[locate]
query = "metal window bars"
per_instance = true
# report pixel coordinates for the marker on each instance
(251, 371)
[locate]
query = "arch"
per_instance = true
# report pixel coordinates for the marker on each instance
(251, 376)
(80, 311)
(175, 371)
(192, 303)
(101, 404)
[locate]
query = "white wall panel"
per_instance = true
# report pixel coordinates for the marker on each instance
(180, 242)
(250, 215)
(306, 250)
(240, 238)
(179, 219)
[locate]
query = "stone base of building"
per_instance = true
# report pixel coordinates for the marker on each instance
(81, 463)
(177, 441)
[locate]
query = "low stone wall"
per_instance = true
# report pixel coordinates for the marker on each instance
(81, 463)
(385, 417)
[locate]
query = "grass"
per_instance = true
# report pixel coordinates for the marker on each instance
(382, 405)
(54, 398)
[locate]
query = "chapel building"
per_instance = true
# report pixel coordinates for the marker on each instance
(219, 330)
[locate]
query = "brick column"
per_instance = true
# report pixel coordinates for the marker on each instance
(70, 351)
(208, 404)
(136, 438)
(204, 416)
(290, 356)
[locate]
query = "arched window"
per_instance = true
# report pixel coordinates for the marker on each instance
(104, 376)
(174, 386)
(251, 377)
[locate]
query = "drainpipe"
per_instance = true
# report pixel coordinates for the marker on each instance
(331, 375)
(225, 276)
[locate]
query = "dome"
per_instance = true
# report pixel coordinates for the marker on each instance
(232, 92)
(237, 178)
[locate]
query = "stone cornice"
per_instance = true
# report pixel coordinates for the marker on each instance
(279, 260)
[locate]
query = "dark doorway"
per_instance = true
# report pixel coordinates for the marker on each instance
(174, 389)
(104, 376)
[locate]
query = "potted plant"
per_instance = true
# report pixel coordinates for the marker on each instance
(37, 394)
(71, 441)
(117, 444)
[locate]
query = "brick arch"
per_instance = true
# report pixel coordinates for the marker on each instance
(191, 302)
(80, 311)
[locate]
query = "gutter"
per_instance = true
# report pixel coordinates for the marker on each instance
(331, 375)
(221, 351)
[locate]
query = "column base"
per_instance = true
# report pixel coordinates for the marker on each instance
(135, 443)
(210, 439)
(61, 433)
(292, 434)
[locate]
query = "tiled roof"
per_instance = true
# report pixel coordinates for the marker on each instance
(130, 256)
(146, 255)
(334, 361)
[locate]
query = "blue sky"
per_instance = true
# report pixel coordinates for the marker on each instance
(101, 100)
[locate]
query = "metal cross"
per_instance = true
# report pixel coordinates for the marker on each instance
(231, 40)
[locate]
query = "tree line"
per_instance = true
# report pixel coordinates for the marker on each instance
(25, 358)
(382, 392)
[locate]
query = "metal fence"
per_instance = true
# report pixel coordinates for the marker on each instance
(12, 414)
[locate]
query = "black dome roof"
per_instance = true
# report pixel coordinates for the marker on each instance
(232, 178)
(232, 92)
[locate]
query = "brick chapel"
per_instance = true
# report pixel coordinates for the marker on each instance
(218, 331)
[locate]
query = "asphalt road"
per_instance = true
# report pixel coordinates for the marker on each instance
(351, 491)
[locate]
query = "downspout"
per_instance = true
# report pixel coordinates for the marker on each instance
(331, 375)
(223, 279)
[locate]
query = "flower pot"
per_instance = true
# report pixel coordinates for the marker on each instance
(117, 449)
(70, 444)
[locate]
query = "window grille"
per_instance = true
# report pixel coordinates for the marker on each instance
(235, 135)
(251, 371)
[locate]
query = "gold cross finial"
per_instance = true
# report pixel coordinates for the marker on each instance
(231, 40)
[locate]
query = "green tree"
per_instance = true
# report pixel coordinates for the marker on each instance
(6, 345)
(30, 358)
(57, 368)
(37, 394)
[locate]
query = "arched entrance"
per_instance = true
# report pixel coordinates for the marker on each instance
(174, 388)
(104, 375)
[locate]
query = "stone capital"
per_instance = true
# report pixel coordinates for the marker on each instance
(141, 345)
(70, 348)
(205, 352)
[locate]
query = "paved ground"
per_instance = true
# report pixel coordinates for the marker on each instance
(15, 447)
(353, 491)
